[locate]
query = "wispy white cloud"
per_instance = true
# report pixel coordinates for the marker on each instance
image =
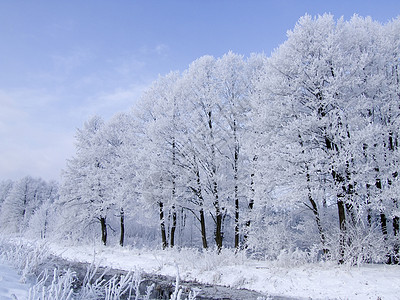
(20, 158)
(129, 66)
(38, 122)
(160, 49)
(35, 139)
(9, 113)
(60, 27)
(106, 104)
(37, 129)
(70, 61)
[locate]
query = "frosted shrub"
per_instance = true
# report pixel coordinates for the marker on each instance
(363, 244)
(205, 260)
(212, 259)
(26, 257)
(268, 240)
(62, 285)
(291, 258)
(189, 257)
(42, 223)
(60, 288)
(127, 285)
(93, 286)
(177, 294)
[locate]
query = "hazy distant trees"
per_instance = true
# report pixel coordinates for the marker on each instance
(22, 202)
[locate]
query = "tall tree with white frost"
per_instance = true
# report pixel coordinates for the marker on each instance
(159, 113)
(84, 190)
(233, 87)
(208, 140)
(119, 164)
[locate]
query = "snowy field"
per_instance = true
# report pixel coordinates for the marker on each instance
(316, 281)
(285, 277)
(10, 285)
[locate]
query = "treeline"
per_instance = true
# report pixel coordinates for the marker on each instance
(296, 150)
(26, 206)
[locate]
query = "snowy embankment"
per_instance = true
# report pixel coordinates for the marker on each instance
(10, 285)
(284, 278)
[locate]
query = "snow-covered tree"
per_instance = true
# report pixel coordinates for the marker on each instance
(207, 139)
(5, 188)
(233, 90)
(159, 158)
(84, 191)
(119, 164)
(22, 201)
(42, 224)
(325, 96)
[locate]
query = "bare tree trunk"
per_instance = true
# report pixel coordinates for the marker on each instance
(339, 182)
(43, 234)
(393, 144)
(342, 226)
(236, 189)
(218, 235)
(250, 205)
(236, 220)
(314, 209)
(384, 225)
(383, 220)
(162, 225)
(122, 226)
(218, 214)
(396, 229)
(218, 229)
(199, 195)
(173, 227)
(318, 222)
(173, 210)
(396, 226)
(103, 230)
(203, 229)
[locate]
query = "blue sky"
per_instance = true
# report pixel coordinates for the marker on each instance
(64, 61)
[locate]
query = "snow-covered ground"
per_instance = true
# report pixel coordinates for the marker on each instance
(10, 285)
(316, 281)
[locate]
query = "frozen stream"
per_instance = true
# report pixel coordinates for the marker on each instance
(164, 285)
(10, 285)
(11, 288)
(324, 280)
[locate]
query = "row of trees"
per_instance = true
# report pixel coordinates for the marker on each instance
(335, 89)
(25, 205)
(180, 151)
(299, 149)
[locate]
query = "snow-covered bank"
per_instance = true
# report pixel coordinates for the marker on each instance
(10, 285)
(316, 281)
